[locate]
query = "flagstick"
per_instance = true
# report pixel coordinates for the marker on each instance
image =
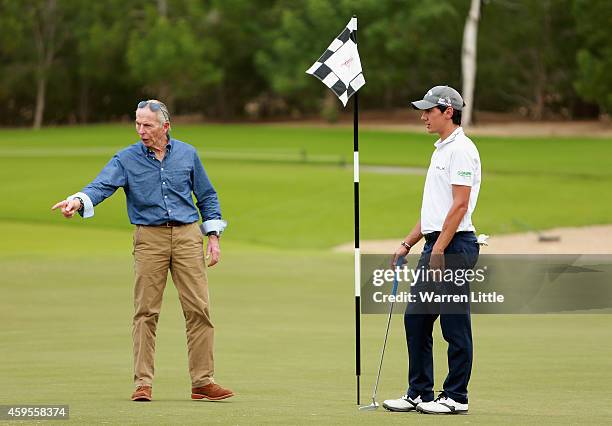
(321, 70)
(357, 249)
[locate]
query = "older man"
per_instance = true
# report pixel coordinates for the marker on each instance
(159, 175)
(449, 199)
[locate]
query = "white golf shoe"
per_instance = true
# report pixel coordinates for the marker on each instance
(404, 404)
(442, 405)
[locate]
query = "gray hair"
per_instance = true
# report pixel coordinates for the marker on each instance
(162, 113)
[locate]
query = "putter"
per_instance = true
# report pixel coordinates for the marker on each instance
(374, 405)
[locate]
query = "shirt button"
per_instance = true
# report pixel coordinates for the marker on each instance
(169, 210)
(165, 196)
(162, 169)
(163, 183)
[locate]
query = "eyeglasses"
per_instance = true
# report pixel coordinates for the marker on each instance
(153, 106)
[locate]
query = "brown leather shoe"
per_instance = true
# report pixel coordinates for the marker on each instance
(212, 392)
(142, 394)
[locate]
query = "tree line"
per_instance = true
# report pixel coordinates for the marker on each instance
(74, 61)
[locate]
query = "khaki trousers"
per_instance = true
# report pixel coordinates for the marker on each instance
(180, 249)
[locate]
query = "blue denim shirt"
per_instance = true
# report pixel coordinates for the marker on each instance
(157, 192)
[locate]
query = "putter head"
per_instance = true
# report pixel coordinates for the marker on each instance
(373, 406)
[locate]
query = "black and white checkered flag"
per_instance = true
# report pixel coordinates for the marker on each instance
(339, 68)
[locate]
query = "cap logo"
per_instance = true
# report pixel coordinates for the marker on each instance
(445, 101)
(430, 93)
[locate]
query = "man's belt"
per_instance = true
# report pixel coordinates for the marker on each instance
(170, 224)
(433, 236)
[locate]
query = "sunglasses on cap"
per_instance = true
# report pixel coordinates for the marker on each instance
(153, 106)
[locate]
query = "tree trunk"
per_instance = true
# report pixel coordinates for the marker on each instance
(46, 21)
(162, 8)
(221, 107)
(468, 60)
(41, 89)
(330, 107)
(166, 95)
(389, 97)
(84, 101)
(541, 70)
(539, 90)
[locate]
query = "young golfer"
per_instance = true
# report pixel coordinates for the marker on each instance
(449, 198)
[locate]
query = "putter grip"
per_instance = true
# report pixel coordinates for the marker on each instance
(399, 262)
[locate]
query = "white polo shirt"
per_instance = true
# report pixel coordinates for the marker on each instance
(454, 162)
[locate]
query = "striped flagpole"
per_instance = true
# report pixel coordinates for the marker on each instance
(357, 249)
(343, 52)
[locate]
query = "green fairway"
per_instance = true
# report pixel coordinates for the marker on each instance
(570, 156)
(272, 195)
(282, 302)
(284, 342)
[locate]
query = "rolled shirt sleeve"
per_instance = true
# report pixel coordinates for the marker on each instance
(463, 167)
(87, 209)
(207, 199)
(103, 186)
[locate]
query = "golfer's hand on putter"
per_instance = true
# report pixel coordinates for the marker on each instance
(400, 252)
(213, 251)
(69, 208)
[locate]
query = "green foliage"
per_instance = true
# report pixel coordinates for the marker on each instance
(100, 39)
(410, 46)
(168, 59)
(230, 58)
(22, 54)
(238, 26)
(102, 78)
(594, 82)
(526, 57)
(291, 48)
(393, 37)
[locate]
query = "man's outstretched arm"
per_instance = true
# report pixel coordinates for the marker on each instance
(103, 186)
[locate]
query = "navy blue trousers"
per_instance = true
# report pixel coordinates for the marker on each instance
(462, 252)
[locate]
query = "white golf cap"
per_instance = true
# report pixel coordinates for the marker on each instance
(440, 95)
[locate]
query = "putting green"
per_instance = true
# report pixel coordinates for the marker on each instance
(284, 342)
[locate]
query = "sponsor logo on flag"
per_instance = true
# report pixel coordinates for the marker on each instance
(339, 67)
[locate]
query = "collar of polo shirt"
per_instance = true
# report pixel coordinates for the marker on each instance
(450, 138)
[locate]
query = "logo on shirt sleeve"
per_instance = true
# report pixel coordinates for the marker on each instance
(465, 174)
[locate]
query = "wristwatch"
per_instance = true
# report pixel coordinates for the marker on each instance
(215, 233)
(82, 203)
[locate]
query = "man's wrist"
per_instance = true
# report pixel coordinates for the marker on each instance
(406, 245)
(80, 201)
(213, 234)
(437, 250)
